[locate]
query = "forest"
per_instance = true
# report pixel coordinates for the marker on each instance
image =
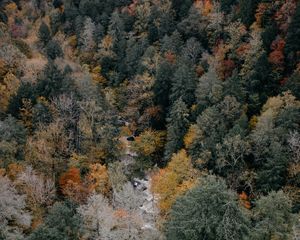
(149, 120)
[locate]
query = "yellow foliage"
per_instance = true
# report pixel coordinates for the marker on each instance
(73, 41)
(11, 7)
(174, 180)
(97, 76)
(190, 136)
(253, 122)
(98, 179)
(149, 142)
(8, 87)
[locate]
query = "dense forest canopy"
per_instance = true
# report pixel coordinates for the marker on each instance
(149, 119)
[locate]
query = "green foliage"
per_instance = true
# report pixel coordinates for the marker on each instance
(53, 82)
(177, 124)
(62, 222)
(247, 10)
(183, 84)
(273, 217)
(53, 50)
(292, 41)
(208, 211)
(44, 33)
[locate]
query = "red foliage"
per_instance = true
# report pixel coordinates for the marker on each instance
(284, 14)
(228, 67)
(276, 57)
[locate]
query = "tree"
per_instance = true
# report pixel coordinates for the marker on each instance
(273, 217)
(72, 185)
(53, 82)
(174, 180)
(247, 11)
(62, 222)
(98, 218)
(162, 84)
(181, 7)
(98, 179)
(39, 190)
(209, 90)
(292, 40)
(184, 84)
(53, 50)
(177, 124)
(87, 37)
(13, 218)
(12, 140)
(44, 33)
(208, 211)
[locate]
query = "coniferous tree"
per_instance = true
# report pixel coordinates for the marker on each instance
(53, 50)
(62, 222)
(209, 211)
(273, 216)
(292, 46)
(44, 33)
(247, 11)
(177, 124)
(53, 81)
(162, 84)
(184, 84)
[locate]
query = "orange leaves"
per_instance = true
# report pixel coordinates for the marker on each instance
(205, 6)
(174, 180)
(98, 179)
(72, 186)
(276, 57)
(72, 175)
(244, 200)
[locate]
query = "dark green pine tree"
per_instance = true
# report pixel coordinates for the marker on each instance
(44, 33)
(208, 212)
(184, 84)
(227, 4)
(247, 11)
(53, 50)
(177, 125)
(162, 85)
(62, 222)
(292, 46)
(53, 82)
(181, 7)
(25, 91)
(272, 175)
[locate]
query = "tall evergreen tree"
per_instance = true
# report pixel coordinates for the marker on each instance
(184, 84)
(44, 33)
(209, 211)
(176, 128)
(53, 82)
(292, 46)
(162, 84)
